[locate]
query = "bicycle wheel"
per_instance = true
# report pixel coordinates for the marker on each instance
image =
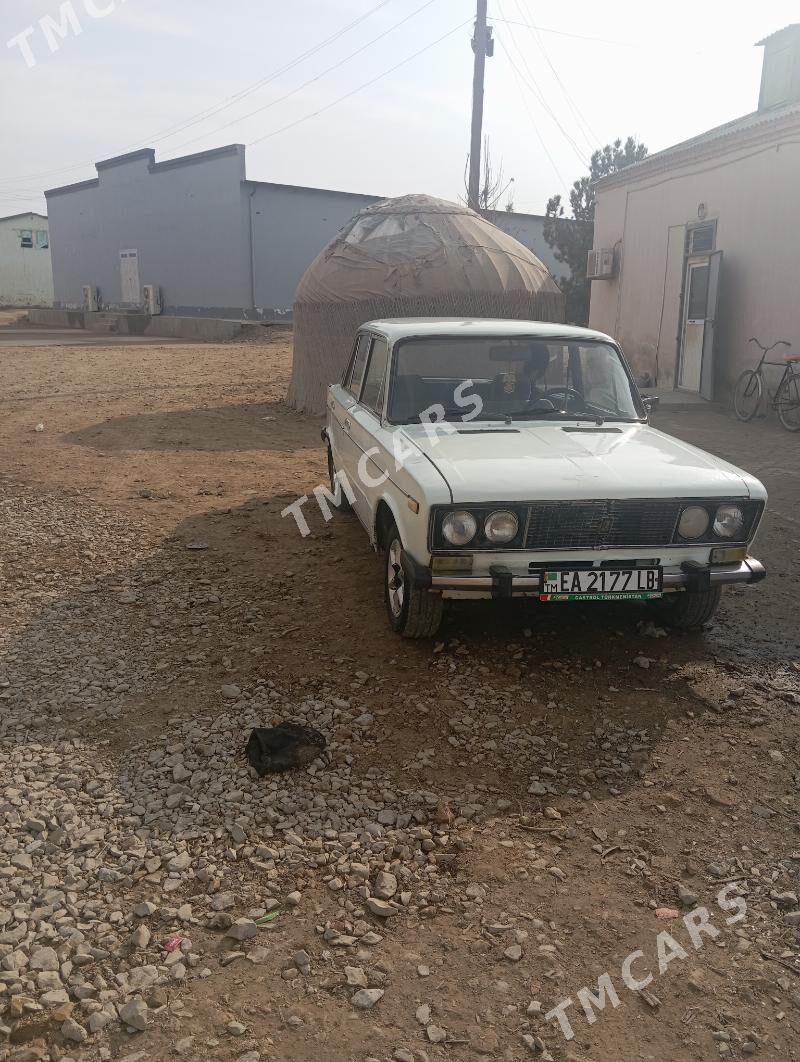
(747, 394)
(787, 403)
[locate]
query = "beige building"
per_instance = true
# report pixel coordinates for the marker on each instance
(702, 242)
(26, 272)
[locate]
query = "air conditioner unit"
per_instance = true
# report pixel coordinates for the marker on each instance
(91, 298)
(600, 264)
(152, 299)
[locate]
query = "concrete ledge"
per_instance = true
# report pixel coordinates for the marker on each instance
(210, 329)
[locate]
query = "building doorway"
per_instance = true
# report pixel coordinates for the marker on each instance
(698, 325)
(129, 277)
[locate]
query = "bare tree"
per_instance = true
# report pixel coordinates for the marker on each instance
(492, 186)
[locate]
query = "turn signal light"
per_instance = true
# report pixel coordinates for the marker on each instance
(728, 554)
(452, 564)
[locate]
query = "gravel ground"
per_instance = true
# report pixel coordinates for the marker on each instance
(503, 816)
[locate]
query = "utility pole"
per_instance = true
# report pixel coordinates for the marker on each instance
(482, 45)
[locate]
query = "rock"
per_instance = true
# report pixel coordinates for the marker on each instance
(423, 1014)
(401, 1055)
(475, 891)
(135, 1013)
(99, 1020)
(423, 970)
(792, 918)
(436, 1034)
(686, 896)
(258, 955)
(181, 861)
(223, 901)
(230, 692)
(366, 998)
(243, 929)
(144, 910)
(380, 908)
(643, 662)
(140, 937)
(236, 1028)
(385, 886)
(513, 953)
(44, 959)
(355, 976)
(784, 899)
(293, 899)
(70, 1030)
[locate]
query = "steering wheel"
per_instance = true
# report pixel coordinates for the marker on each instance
(568, 393)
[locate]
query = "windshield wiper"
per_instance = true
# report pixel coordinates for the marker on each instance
(561, 414)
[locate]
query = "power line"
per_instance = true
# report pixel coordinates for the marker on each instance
(529, 112)
(361, 87)
(592, 138)
(209, 112)
(310, 81)
(564, 33)
(536, 90)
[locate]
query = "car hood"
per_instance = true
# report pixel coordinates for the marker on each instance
(575, 460)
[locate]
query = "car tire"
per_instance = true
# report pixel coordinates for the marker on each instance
(689, 609)
(341, 505)
(412, 612)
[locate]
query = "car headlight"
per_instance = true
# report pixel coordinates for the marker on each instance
(729, 521)
(501, 527)
(459, 527)
(693, 522)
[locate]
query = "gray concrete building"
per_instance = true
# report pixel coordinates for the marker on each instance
(211, 241)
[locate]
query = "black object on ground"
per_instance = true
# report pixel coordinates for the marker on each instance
(281, 747)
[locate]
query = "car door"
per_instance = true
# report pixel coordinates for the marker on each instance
(372, 440)
(342, 399)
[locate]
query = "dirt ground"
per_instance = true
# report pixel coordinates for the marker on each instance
(584, 768)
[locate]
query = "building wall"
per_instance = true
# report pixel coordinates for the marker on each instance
(291, 225)
(186, 220)
(26, 273)
(529, 230)
(751, 191)
(215, 243)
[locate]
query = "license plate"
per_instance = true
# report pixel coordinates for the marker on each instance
(601, 584)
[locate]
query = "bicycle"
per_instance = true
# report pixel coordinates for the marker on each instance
(749, 390)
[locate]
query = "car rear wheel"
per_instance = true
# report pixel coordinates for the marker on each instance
(689, 609)
(412, 612)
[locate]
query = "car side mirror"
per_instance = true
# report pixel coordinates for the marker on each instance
(650, 402)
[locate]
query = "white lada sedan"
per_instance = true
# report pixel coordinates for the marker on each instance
(496, 459)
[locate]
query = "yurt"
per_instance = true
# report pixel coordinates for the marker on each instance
(409, 257)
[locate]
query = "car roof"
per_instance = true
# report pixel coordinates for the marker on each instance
(395, 328)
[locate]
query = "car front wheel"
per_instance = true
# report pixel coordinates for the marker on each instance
(412, 612)
(689, 609)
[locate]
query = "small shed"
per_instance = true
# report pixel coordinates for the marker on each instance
(414, 256)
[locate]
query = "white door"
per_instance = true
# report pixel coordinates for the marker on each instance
(129, 276)
(694, 325)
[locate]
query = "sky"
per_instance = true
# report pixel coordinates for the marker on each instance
(370, 96)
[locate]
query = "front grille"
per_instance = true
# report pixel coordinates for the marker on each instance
(599, 524)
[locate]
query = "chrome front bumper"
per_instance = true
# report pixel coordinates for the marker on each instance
(500, 581)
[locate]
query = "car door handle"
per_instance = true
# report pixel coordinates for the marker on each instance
(347, 424)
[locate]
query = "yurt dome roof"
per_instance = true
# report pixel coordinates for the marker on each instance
(417, 245)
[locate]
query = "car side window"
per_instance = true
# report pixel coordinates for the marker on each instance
(356, 374)
(372, 395)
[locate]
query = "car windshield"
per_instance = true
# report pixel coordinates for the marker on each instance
(488, 378)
